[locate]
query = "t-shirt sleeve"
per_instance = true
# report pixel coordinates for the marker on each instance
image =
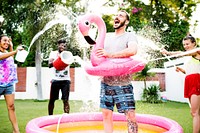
(132, 40)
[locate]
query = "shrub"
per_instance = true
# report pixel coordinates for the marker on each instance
(151, 94)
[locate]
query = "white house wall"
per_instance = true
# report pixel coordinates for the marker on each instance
(88, 87)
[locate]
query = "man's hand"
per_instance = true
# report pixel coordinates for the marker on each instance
(51, 62)
(102, 53)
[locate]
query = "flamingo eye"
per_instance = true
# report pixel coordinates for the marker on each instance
(87, 23)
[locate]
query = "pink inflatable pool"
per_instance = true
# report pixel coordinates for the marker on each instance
(92, 123)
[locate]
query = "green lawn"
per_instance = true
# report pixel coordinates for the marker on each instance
(29, 109)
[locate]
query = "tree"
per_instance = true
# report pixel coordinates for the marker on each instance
(143, 75)
(170, 18)
(173, 26)
(25, 18)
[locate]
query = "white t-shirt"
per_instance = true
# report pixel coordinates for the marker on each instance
(59, 75)
(192, 65)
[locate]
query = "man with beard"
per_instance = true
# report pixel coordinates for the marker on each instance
(60, 81)
(118, 90)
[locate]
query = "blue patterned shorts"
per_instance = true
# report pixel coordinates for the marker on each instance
(121, 96)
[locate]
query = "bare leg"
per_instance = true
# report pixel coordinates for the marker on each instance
(66, 106)
(195, 107)
(11, 112)
(108, 120)
(199, 120)
(132, 124)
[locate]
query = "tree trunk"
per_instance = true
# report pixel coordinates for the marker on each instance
(38, 61)
(145, 83)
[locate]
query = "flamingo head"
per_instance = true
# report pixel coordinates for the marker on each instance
(84, 24)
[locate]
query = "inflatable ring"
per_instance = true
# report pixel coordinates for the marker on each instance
(104, 66)
(38, 125)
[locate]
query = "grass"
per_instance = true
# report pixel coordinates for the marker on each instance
(28, 109)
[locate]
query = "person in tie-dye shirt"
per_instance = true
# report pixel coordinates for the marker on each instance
(8, 77)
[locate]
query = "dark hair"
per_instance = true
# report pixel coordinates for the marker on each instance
(190, 37)
(127, 15)
(61, 41)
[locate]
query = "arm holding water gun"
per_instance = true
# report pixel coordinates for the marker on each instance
(166, 53)
(192, 77)
(191, 49)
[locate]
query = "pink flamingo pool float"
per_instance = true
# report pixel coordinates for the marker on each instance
(104, 66)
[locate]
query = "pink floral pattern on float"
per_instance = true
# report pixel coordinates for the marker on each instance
(8, 72)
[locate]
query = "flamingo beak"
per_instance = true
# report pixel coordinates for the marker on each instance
(89, 40)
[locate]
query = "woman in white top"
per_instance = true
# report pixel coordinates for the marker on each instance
(192, 79)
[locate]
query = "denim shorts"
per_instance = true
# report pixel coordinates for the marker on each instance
(121, 96)
(7, 90)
